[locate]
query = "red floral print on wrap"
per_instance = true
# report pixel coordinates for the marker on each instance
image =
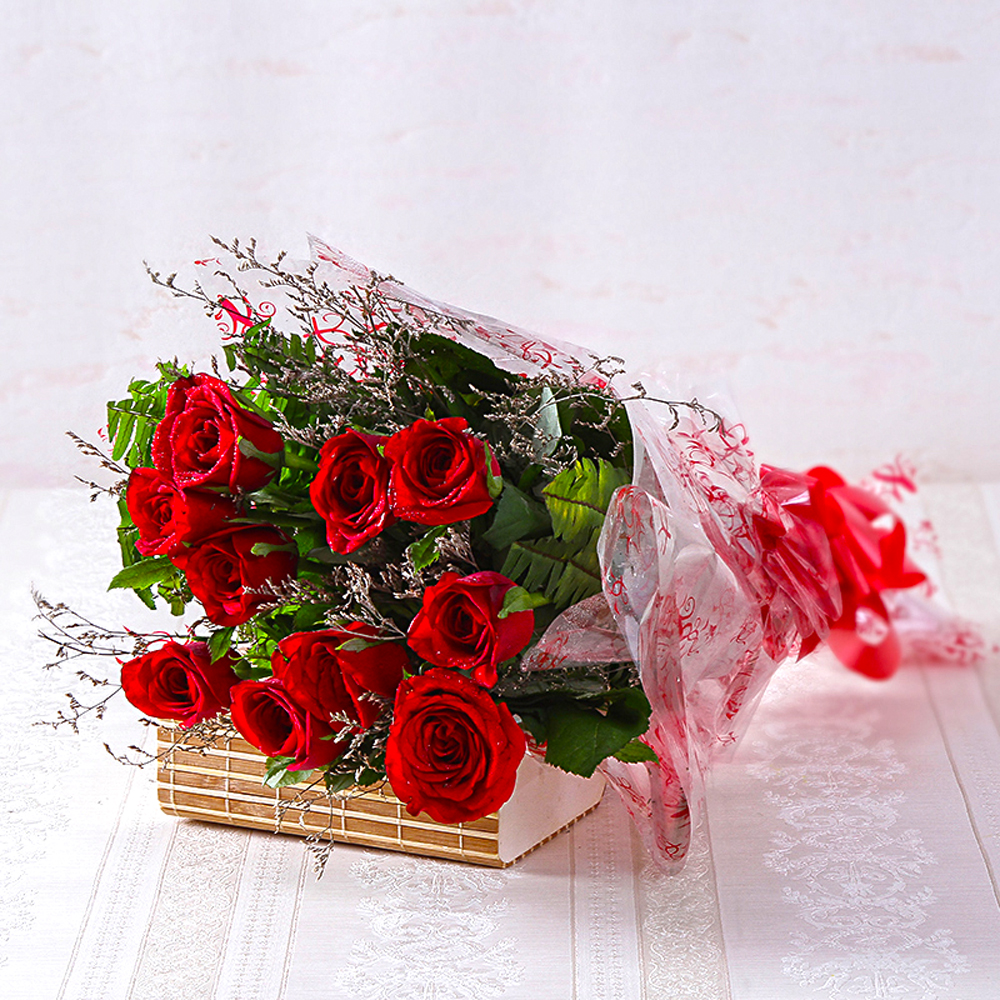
(229, 578)
(460, 626)
(269, 718)
(351, 490)
(197, 441)
(168, 517)
(179, 681)
(326, 679)
(452, 751)
(438, 472)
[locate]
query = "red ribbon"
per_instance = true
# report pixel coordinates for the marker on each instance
(837, 541)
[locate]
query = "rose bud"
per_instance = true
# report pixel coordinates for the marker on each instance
(197, 441)
(452, 752)
(168, 517)
(325, 679)
(225, 575)
(351, 490)
(460, 626)
(268, 718)
(438, 472)
(179, 681)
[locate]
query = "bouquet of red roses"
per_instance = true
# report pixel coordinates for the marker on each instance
(425, 542)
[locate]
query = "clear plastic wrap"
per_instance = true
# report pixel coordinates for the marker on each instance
(714, 569)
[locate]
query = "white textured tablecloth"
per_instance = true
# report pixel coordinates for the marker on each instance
(851, 850)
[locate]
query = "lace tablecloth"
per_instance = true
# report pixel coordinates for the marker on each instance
(851, 850)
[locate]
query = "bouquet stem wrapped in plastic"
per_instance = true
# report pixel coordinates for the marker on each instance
(700, 571)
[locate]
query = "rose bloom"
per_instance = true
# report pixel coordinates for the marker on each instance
(351, 490)
(324, 679)
(438, 472)
(168, 517)
(179, 681)
(270, 719)
(197, 441)
(225, 575)
(459, 625)
(453, 752)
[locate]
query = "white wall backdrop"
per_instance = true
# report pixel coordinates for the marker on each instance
(798, 198)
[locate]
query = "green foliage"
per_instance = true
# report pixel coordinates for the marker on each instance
(564, 572)
(249, 670)
(424, 551)
(143, 574)
(277, 774)
(517, 516)
(542, 530)
(579, 737)
(494, 483)
(220, 642)
(636, 752)
(518, 599)
(578, 498)
(273, 459)
(132, 421)
(265, 548)
(564, 565)
(338, 782)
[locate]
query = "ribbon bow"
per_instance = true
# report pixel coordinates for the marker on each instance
(837, 541)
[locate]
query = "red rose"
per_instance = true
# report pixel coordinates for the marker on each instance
(271, 720)
(460, 626)
(453, 751)
(325, 679)
(197, 441)
(438, 472)
(351, 490)
(225, 575)
(168, 517)
(179, 681)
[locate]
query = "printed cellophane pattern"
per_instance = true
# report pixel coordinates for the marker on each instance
(694, 591)
(680, 565)
(222, 782)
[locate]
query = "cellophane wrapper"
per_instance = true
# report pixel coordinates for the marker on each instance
(694, 591)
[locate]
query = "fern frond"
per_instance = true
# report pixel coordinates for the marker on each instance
(578, 498)
(132, 421)
(564, 572)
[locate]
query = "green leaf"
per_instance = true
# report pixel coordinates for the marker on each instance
(220, 643)
(424, 551)
(308, 617)
(275, 459)
(517, 516)
(494, 483)
(579, 738)
(278, 775)
(265, 548)
(296, 460)
(143, 574)
(518, 599)
(247, 670)
(310, 540)
(548, 430)
(355, 645)
(636, 752)
(132, 421)
(338, 782)
(534, 724)
(565, 573)
(146, 596)
(578, 498)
